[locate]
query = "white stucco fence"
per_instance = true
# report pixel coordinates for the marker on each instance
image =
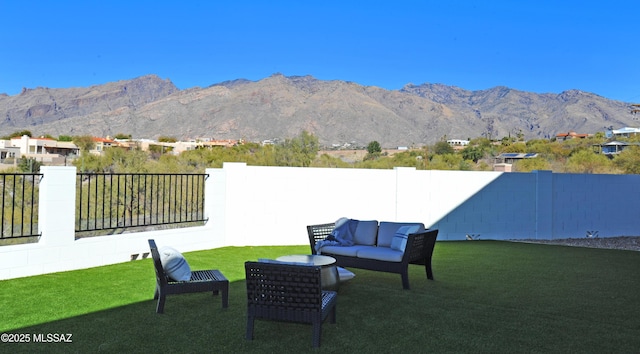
(258, 205)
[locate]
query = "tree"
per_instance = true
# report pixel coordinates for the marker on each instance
(515, 147)
(373, 151)
(443, 148)
(409, 158)
(122, 136)
(540, 146)
(29, 165)
(126, 161)
(481, 141)
(65, 138)
(628, 160)
(18, 134)
(585, 161)
(167, 139)
(374, 147)
(449, 162)
(84, 142)
(473, 153)
(300, 151)
(528, 165)
(88, 163)
(328, 161)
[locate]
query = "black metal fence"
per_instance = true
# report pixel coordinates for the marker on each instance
(132, 200)
(19, 193)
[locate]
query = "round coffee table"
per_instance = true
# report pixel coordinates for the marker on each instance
(329, 272)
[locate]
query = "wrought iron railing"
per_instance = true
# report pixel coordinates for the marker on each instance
(19, 194)
(119, 201)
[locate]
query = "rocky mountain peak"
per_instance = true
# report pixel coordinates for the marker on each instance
(280, 106)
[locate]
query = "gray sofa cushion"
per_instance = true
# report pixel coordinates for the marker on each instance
(351, 251)
(366, 232)
(387, 230)
(380, 253)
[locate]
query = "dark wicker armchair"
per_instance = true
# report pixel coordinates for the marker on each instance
(201, 280)
(292, 293)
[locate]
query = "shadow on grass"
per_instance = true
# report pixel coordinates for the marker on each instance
(487, 297)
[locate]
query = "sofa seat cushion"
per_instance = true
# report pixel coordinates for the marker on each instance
(349, 251)
(380, 253)
(366, 232)
(388, 229)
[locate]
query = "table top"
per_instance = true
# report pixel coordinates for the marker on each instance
(316, 259)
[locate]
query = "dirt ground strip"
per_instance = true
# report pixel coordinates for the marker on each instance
(631, 243)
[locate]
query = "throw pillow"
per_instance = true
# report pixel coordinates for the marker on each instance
(174, 264)
(340, 221)
(345, 274)
(399, 240)
(343, 232)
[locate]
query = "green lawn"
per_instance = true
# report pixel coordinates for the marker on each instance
(488, 296)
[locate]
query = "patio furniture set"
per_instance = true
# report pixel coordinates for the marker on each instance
(302, 288)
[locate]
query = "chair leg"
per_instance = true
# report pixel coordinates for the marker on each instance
(225, 296)
(317, 333)
(332, 315)
(249, 334)
(160, 306)
(405, 279)
(427, 267)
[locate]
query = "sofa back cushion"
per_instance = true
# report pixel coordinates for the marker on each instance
(366, 232)
(387, 230)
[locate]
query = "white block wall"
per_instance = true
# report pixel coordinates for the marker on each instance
(257, 205)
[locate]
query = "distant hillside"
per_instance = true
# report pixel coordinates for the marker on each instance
(337, 112)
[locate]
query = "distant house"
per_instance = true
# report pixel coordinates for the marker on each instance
(504, 161)
(511, 157)
(570, 135)
(622, 132)
(458, 144)
(32, 146)
(100, 144)
(42, 149)
(7, 151)
(612, 148)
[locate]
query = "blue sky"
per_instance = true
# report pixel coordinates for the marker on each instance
(544, 46)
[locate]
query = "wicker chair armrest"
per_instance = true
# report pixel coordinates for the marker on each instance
(420, 246)
(317, 233)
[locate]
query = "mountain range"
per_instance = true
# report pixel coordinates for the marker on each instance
(280, 107)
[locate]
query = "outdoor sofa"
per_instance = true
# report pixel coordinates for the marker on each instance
(379, 246)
